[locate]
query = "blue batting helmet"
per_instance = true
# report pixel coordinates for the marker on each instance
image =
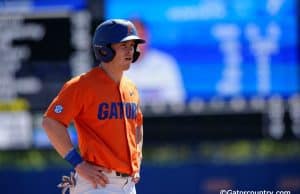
(114, 31)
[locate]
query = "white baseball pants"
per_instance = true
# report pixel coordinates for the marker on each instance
(116, 185)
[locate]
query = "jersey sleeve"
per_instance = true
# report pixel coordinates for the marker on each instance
(66, 105)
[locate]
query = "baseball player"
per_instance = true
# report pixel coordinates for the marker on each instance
(105, 108)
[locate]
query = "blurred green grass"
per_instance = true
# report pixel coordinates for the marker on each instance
(238, 151)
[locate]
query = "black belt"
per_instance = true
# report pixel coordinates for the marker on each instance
(122, 174)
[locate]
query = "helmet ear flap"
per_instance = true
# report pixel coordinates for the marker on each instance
(136, 53)
(104, 53)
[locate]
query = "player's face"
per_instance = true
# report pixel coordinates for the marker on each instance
(124, 54)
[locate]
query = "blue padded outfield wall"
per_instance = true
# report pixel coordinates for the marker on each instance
(177, 179)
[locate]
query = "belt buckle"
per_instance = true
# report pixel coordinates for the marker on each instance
(122, 174)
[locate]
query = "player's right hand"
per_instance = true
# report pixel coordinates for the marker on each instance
(93, 173)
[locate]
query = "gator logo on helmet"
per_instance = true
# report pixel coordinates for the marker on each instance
(130, 30)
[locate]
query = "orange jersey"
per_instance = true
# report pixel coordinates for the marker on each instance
(105, 114)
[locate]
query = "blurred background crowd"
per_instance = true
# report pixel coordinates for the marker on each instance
(219, 83)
